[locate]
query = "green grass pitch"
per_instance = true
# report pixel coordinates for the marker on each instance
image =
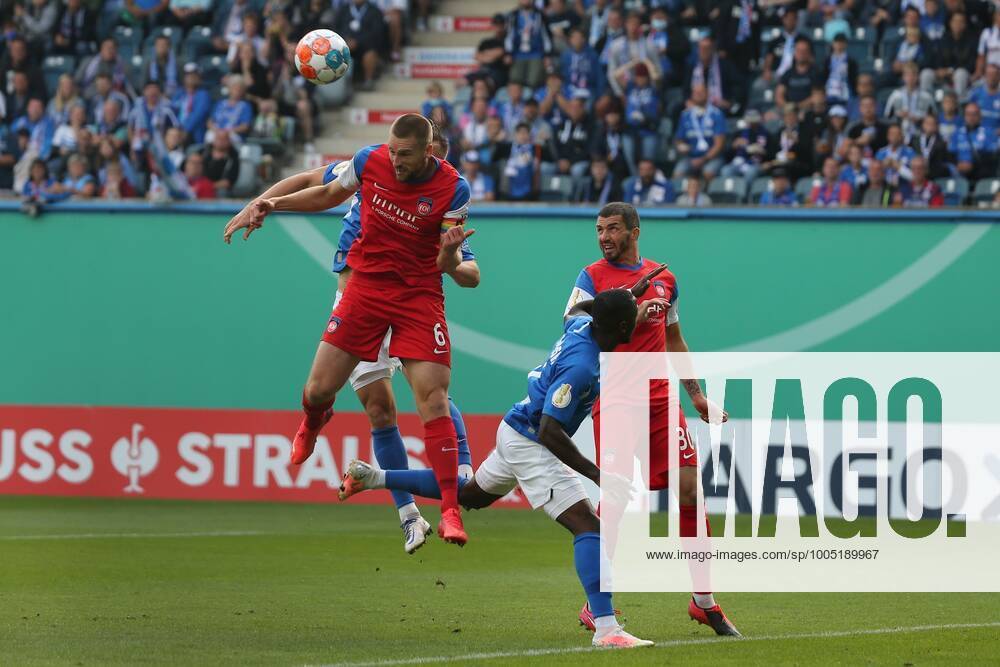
(185, 583)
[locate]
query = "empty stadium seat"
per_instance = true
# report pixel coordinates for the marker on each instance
(556, 188)
(128, 39)
(759, 186)
(213, 68)
(198, 43)
(804, 186)
(985, 190)
(861, 51)
(955, 190)
(251, 152)
(727, 190)
(246, 180)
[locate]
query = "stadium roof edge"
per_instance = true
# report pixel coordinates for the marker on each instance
(481, 210)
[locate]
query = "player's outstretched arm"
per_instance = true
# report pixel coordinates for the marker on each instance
(311, 200)
(286, 186)
(553, 437)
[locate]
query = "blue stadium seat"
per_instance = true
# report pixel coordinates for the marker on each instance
(881, 97)
(860, 50)
(759, 186)
(890, 43)
(955, 190)
(804, 186)
(985, 190)
(197, 44)
(863, 34)
(580, 187)
(213, 68)
(556, 188)
(246, 179)
(128, 39)
(727, 190)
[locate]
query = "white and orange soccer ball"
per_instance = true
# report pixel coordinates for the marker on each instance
(322, 56)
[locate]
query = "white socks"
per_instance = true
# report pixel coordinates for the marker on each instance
(704, 600)
(605, 625)
(407, 511)
(465, 471)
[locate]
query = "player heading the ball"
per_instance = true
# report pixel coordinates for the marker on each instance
(412, 209)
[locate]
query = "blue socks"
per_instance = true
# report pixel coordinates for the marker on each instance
(464, 455)
(387, 445)
(587, 557)
(419, 482)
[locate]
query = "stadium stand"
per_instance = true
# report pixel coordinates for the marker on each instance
(731, 92)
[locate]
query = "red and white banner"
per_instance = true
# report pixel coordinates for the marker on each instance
(461, 23)
(431, 70)
(362, 116)
(196, 454)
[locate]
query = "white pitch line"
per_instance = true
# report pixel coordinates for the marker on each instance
(528, 653)
(97, 536)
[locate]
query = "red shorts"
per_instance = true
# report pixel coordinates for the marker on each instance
(370, 307)
(659, 443)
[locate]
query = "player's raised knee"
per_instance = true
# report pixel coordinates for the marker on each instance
(318, 391)
(381, 411)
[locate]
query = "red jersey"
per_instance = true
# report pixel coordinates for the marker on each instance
(401, 222)
(651, 335)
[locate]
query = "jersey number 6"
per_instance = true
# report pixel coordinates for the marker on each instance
(439, 338)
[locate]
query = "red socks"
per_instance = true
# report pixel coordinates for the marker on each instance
(441, 444)
(689, 521)
(314, 413)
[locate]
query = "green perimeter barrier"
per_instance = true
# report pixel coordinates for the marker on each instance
(150, 308)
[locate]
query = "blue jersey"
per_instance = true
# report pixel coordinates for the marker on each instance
(989, 106)
(565, 386)
(699, 127)
(351, 227)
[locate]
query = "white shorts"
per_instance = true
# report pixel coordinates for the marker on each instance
(545, 481)
(367, 372)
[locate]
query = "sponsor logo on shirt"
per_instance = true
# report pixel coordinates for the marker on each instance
(393, 213)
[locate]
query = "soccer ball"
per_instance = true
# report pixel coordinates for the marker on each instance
(322, 56)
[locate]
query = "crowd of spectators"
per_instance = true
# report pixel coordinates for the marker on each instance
(155, 98)
(812, 102)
